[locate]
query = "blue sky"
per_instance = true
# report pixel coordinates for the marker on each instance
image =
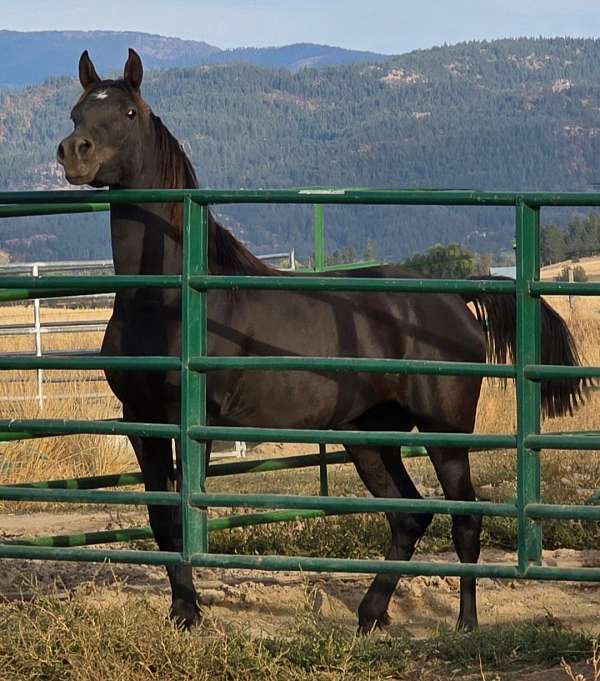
(389, 26)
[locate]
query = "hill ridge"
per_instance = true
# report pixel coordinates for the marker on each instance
(30, 57)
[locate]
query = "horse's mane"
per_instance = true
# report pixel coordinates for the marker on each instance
(226, 254)
(175, 169)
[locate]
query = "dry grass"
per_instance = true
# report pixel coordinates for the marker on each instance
(96, 635)
(567, 476)
(20, 314)
(591, 265)
(594, 661)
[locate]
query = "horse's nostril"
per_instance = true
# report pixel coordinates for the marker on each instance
(83, 148)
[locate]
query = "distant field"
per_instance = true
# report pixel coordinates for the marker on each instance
(591, 266)
(582, 307)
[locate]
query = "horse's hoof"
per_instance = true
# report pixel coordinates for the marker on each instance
(184, 614)
(367, 625)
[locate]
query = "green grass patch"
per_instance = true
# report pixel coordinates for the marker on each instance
(506, 648)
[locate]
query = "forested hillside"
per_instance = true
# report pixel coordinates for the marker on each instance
(511, 114)
(294, 57)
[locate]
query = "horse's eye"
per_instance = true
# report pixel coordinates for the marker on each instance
(131, 113)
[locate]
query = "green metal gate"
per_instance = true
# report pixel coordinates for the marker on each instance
(194, 365)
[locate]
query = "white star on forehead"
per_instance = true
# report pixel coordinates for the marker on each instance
(103, 94)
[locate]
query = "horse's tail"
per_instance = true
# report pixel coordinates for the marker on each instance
(497, 313)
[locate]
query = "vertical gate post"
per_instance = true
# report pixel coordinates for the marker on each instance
(528, 391)
(37, 325)
(193, 384)
(320, 260)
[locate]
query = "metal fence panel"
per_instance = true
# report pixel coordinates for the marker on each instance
(194, 364)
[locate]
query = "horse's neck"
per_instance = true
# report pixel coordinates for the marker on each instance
(144, 241)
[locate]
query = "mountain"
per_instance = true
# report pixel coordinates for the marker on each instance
(32, 57)
(510, 114)
(294, 57)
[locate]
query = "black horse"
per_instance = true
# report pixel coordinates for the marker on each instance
(118, 141)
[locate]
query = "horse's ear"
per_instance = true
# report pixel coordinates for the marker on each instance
(134, 71)
(87, 72)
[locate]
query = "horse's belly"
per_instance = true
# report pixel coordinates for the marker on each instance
(295, 399)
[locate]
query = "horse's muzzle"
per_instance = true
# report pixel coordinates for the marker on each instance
(76, 154)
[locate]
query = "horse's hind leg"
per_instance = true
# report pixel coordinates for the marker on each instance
(384, 474)
(453, 471)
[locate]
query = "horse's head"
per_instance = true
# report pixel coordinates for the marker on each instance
(110, 119)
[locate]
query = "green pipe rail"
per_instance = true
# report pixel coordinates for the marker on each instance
(323, 459)
(137, 533)
(194, 364)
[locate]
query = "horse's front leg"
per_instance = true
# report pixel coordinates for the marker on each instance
(155, 458)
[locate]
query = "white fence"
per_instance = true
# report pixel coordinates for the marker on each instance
(38, 328)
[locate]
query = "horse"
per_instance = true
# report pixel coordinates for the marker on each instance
(119, 142)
